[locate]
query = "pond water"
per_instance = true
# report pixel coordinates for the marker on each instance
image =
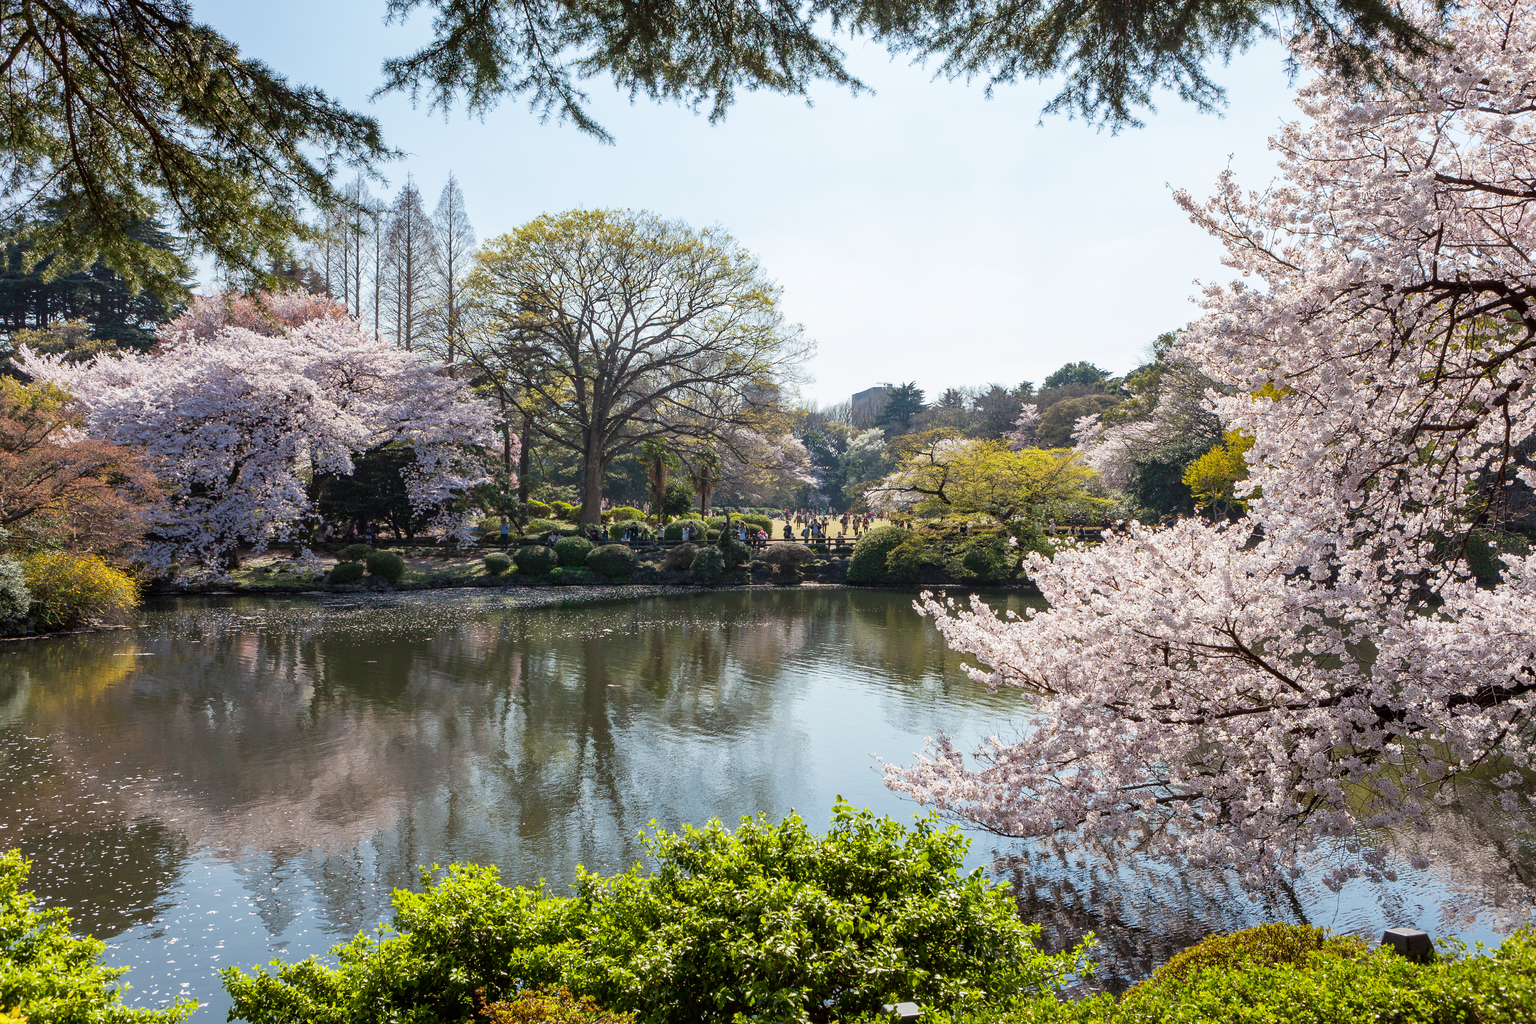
(233, 780)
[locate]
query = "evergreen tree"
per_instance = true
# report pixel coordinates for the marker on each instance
(902, 402)
(47, 294)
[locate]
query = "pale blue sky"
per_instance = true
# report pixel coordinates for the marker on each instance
(921, 233)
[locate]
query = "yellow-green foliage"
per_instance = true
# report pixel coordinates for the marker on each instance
(1276, 974)
(549, 1005)
(68, 588)
(1214, 476)
(47, 975)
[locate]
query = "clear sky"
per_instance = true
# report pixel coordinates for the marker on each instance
(921, 233)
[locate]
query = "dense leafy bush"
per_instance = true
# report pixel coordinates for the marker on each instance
(624, 513)
(15, 598)
(49, 976)
(788, 554)
(735, 552)
(770, 921)
(1284, 973)
(564, 510)
(552, 1004)
(536, 560)
(386, 564)
(987, 560)
(868, 562)
(908, 560)
(680, 558)
(708, 564)
(757, 522)
(611, 560)
(616, 529)
(67, 588)
(573, 551)
(674, 530)
(353, 553)
(497, 563)
(536, 509)
(540, 527)
(346, 572)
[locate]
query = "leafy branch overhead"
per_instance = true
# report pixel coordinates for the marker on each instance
(1113, 55)
(118, 113)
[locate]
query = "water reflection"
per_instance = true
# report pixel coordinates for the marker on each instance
(234, 780)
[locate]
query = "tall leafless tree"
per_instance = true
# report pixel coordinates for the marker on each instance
(410, 267)
(455, 255)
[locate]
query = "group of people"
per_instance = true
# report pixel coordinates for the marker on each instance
(817, 526)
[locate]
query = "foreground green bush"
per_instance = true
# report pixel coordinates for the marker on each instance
(47, 975)
(386, 564)
(624, 514)
(1283, 973)
(611, 560)
(770, 921)
(868, 562)
(15, 598)
(353, 553)
(536, 560)
(497, 563)
(346, 572)
(67, 588)
(573, 551)
(708, 564)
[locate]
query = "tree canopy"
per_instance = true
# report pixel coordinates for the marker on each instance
(620, 328)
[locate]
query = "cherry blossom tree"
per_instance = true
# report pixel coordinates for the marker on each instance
(1326, 671)
(239, 424)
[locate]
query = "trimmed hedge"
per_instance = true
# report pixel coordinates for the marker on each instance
(497, 563)
(674, 530)
(563, 509)
(611, 560)
(346, 572)
(680, 558)
(624, 513)
(353, 553)
(386, 564)
(1284, 973)
(573, 551)
(708, 564)
(536, 560)
(868, 562)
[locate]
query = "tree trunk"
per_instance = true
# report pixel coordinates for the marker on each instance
(525, 458)
(592, 486)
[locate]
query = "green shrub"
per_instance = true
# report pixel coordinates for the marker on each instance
(564, 510)
(770, 921)
(573, 551)
(793, 555)
(674, 530)
(625, 513)
(552, 1004)
(1283, 973)
(386, 564)
(536, 509)
(49, 976)
(15, 598)
(497, 563)
(757, 522)
(616, 529)
(735, 552)
(985, 561)
(909, 559)
(868, 562)
(346, 572)
(708, 564)
(540, 527)
(611, 560)
(535, 560)
(715, 522)
(353, 553)
(680, 558)
(67, 588)
(711, 535)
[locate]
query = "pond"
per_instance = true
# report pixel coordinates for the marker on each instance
(233, 780)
